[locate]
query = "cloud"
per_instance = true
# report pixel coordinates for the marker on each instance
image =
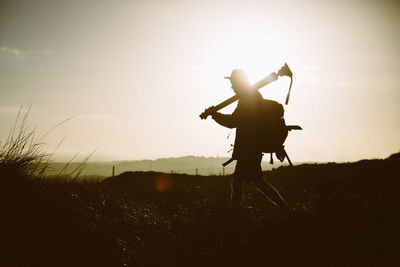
(19, 52)
(12, 51)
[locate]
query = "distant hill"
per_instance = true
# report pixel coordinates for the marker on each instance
(187, 165)
(367, 177)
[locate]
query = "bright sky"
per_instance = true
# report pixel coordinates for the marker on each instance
(136, 74)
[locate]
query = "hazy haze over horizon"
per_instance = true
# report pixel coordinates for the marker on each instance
(136, 74)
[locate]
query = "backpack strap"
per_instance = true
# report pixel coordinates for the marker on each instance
(287, 156)
(227, 162)
(281, 154)
(271, 159)
(290, 88)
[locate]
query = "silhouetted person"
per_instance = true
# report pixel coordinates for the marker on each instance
(246, 151)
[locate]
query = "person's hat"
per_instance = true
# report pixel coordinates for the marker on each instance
(238, 75)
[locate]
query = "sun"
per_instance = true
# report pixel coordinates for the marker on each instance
(258, 55)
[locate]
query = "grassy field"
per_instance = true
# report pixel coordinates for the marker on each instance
(346, 215)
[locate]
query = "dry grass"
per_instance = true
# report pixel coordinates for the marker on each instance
(24, 150)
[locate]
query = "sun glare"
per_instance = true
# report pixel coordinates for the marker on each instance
(254, 53)
(257, 54)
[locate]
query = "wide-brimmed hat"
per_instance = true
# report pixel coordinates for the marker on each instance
(238, 75)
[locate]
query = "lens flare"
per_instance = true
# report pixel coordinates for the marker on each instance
(163, 183)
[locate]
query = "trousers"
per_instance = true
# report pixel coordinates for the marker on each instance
(248, 169)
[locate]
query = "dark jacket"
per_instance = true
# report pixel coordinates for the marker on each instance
(245, 120)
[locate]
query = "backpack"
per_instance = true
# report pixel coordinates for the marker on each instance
(272, 130)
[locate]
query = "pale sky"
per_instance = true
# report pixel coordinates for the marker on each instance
(136, 74)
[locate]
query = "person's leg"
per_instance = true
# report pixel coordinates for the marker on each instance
(270, 192)
(236, 192)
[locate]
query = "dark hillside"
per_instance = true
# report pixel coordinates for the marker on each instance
(43, 223)
(346, 215)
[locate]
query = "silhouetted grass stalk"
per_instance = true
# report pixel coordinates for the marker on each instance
(23, 150)
(79, 169)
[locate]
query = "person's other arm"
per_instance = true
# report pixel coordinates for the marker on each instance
(226, 120)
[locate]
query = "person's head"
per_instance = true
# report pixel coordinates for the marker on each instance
(239, 81)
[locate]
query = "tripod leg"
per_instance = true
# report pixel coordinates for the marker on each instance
(287, 156)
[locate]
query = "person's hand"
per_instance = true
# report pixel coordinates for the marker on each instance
(211, 110)
(208, 112)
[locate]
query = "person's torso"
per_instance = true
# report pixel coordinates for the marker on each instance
(247, 113)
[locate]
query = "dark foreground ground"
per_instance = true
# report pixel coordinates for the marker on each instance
(346, 215)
